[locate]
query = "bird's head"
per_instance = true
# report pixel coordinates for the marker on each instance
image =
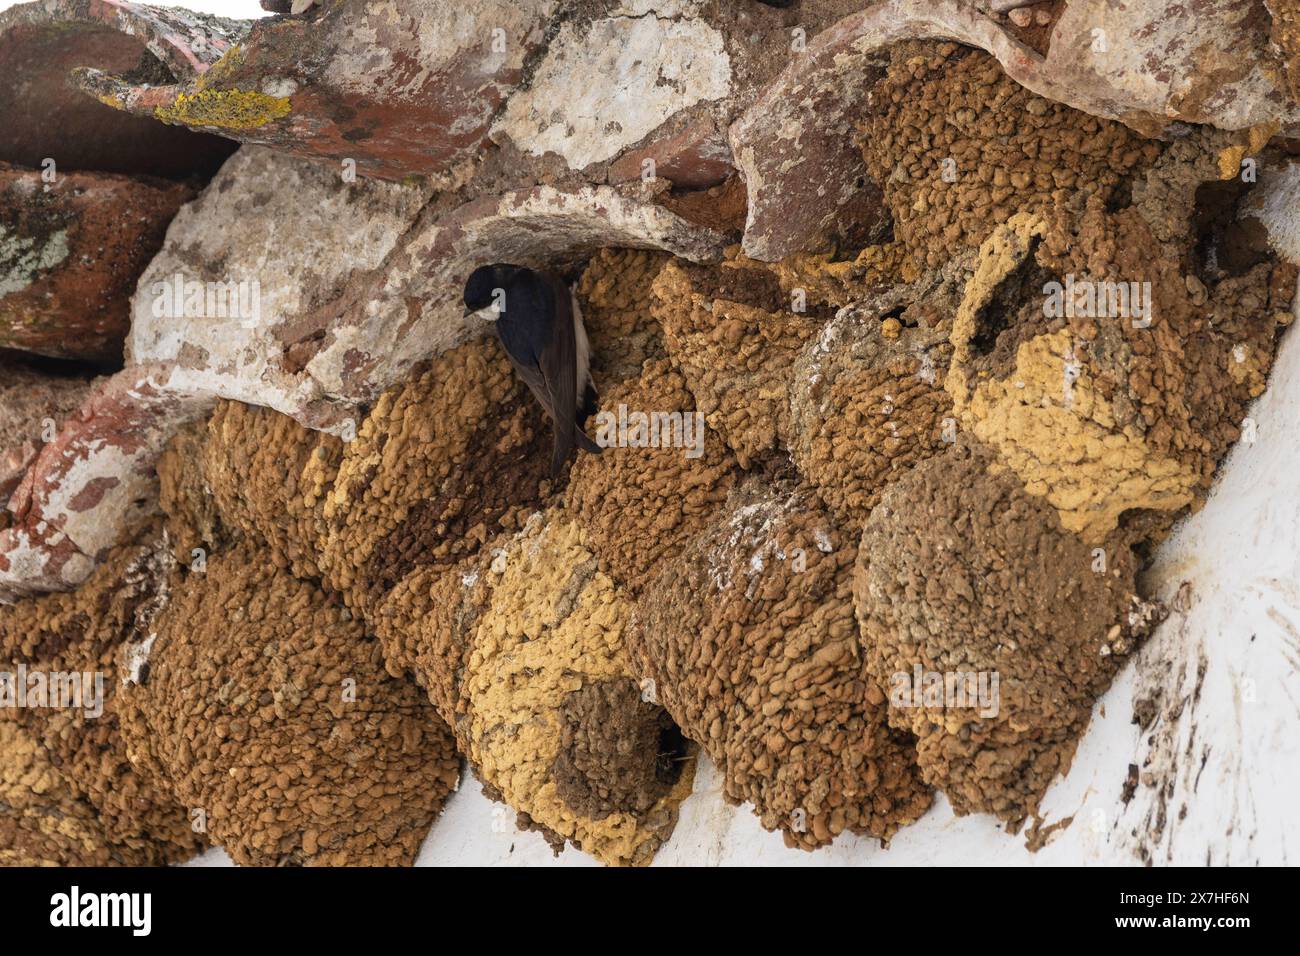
(485, 290)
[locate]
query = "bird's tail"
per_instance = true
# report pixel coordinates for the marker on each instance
(559, 452)
(564, 444)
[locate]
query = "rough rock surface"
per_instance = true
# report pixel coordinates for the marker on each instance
(92, 483)
(749, 637)
(961, 572)
(82, 632)
(521, 650)
(33, 402)
(70, 255)
(304, 233)
(692, 66)
(401, 88)
(266, 708)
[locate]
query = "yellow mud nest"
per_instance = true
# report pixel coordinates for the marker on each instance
(1102, 413)
(638, 503)
(521, 650)
(733, 334)
(42, 820)
(436, 469)
(614, 296)
(958, 147)
(990, 628)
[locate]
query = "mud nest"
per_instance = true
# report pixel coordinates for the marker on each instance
(266, 709)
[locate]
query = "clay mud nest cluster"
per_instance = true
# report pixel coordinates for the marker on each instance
(868, 525)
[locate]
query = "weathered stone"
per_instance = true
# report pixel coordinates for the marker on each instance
(795, 148)
(32, 404)
(303, 234)
(696, 158)
(92, 482)
(70, 255)
(585, 122)
(356, 284)
(400, 88)
(1273, 205)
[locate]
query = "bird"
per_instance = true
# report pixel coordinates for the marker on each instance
(539, 323)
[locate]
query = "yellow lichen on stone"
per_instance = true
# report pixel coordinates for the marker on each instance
(230, 109)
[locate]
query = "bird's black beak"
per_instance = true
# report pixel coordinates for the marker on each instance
(469, 312)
